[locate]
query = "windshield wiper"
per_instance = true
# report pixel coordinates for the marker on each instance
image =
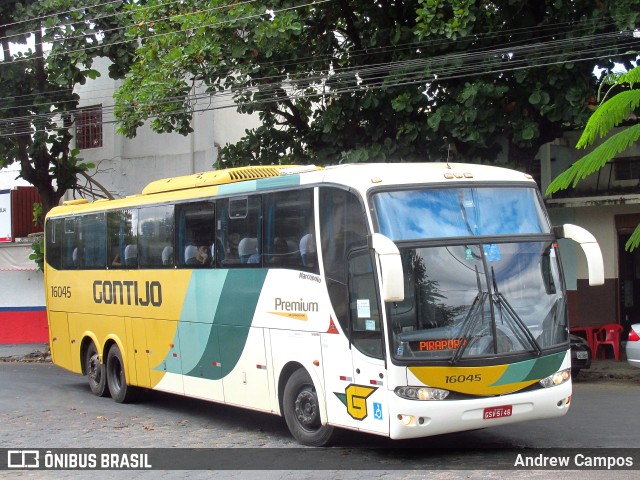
(502, 302)
(470, 320)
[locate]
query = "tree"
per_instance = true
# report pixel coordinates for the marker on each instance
(618, 110)
(48, 48)
(340, 80)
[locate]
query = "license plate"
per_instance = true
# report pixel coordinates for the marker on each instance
(497, 412)
(582, 355)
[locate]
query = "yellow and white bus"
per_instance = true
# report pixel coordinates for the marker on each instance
(403, 300)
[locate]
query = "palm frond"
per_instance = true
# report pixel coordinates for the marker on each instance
(596, 159)
(630, 77)
(634, 240)
(609, 115)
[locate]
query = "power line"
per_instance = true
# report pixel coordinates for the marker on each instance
(352, 55)
(173, 32)
(445, 73)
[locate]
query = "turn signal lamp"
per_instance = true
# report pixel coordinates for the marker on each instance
(557, 378)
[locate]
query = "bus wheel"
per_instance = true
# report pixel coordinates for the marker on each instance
(120, 391)
(95, 371)
(302, 411)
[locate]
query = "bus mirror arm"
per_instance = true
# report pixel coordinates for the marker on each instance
(390, 264)
(590, 248)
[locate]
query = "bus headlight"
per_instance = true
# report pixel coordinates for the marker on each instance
(421, 393)
(557, 378)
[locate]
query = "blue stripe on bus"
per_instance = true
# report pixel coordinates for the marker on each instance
(277, 182)
(240, 187)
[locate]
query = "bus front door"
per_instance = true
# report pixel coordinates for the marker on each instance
(369, 391)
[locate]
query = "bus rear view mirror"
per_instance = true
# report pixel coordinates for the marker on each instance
(390, 264)
(590, 248)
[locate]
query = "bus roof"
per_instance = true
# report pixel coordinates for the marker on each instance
(361, 177)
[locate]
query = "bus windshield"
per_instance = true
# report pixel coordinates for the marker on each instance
(471, 296)
(459, 212)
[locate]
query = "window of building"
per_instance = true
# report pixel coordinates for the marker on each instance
(89, 127)
(627, 168)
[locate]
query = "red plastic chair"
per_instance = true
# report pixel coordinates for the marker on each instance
(608, 335)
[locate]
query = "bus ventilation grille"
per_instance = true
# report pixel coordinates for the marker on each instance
(250, 173)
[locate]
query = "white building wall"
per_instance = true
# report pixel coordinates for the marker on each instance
(125, 166)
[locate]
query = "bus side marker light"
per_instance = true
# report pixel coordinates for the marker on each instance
(557, 378)
(316, 363)
(216, 364)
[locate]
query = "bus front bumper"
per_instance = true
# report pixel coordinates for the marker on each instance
(415, 419)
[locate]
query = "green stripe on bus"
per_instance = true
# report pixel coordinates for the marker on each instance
(528, 370)
(232, 318)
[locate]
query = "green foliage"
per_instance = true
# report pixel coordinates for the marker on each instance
(37, 254)
(610, 114)
(59, 44)
(38, 218)
(372, 81)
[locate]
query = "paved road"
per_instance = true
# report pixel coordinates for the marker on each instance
(44, 406)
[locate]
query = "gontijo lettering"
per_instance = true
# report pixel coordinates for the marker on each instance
(127, 292)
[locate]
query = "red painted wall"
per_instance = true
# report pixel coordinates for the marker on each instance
(23, 325)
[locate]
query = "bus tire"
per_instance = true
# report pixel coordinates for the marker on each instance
(95, 371)
(302, 411)
(120, 391)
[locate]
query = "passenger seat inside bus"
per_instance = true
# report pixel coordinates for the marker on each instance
(248, 246)
(131, 255)
(190, 253)
(167, 256)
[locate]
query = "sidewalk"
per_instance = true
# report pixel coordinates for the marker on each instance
(600, 369)
(610, 370)
(27, 352)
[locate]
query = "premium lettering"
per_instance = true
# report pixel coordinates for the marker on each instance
(295, 306)
(127, 292)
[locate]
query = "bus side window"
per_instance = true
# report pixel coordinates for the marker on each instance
(122, 239)
(343, 228)
(239, 232)
(155, 236)
(71, 250)
(363, 300)
(53, 250)
(195, 235)
(290, 229)
(92, 241)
